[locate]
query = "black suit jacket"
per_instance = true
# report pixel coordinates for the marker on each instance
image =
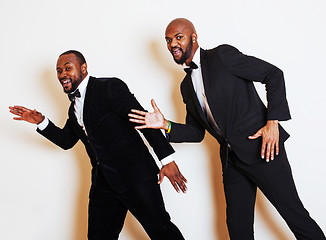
(112, 143)
(228, 77)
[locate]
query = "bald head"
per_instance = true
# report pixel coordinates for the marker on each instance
(181, 23)
(181, 39)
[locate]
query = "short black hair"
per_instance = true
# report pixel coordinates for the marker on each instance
(80, 58)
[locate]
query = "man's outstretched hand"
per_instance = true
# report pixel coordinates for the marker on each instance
(172, 172)
(154, 120)
(25, 114)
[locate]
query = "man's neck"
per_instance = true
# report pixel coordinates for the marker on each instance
(194, 50)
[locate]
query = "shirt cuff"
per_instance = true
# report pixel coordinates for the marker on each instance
(167, 160)
(42, 125)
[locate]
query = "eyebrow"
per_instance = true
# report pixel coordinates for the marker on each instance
(174, 35)
(63, 65)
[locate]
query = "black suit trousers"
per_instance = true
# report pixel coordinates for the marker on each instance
(108, 209)
(275, 181)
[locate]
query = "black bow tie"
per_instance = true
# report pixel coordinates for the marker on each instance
(192, 66)
(73, 95)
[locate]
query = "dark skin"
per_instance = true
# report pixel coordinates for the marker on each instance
(178, 34)
(70, 74)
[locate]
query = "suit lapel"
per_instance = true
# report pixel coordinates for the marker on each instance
(191, 90)
(72, 117)
(89, 90)
(210, 87)
(204, 70)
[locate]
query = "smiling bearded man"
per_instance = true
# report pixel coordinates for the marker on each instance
(124, 173)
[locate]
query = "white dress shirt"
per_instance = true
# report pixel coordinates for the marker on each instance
(198, 83)
(79, 102)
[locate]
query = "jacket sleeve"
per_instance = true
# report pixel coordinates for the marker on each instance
(123, 101)
(191, 131)
(64, 138)
(254, 69)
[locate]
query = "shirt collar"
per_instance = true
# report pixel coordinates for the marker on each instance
(83, 85)
(196, 58)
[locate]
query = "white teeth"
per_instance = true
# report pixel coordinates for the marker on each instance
(176, 51)
(66, 81)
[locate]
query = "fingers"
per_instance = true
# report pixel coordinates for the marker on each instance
(256, 135)
(182, 183)
(141, 127)
(160, 177)
(269, 150)
(18, 118)
(177, 180)
(175, 186)
(135, 116)
(132, 119)
(179, 183)
(263, 148)
(154, 105)
(16, 110)
(138, 112)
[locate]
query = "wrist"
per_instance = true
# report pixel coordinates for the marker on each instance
(41, 119)
(166, 125)
(274, 122)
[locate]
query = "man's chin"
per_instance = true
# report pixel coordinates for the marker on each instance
(179, 61)
(67, 90)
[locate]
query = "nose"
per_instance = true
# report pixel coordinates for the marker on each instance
(61, 75)
(174, 43)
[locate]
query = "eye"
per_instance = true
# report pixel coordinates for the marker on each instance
(68, 68)
(168, 40)
(179, 37)
(59, 71)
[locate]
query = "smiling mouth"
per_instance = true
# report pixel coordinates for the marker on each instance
(176, 52)
(65, 83)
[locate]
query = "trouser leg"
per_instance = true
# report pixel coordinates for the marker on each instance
(106, 213)
(240, 193)
(276, 182)
(106, 218)
(145, 202)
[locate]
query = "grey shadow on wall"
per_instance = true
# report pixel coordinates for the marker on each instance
(221, 231)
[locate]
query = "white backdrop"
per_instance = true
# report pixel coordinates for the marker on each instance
(44, 190)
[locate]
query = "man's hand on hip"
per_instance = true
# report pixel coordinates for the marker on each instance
(270, 139)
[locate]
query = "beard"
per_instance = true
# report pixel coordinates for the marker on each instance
(185, 55)
(75, 84)
(75, 81)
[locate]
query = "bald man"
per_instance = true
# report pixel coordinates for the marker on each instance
(220, 97)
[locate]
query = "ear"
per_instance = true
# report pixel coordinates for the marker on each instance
(194, 37)
(84, 68)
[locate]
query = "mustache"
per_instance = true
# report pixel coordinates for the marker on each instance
(179, 48)
(64, 79)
